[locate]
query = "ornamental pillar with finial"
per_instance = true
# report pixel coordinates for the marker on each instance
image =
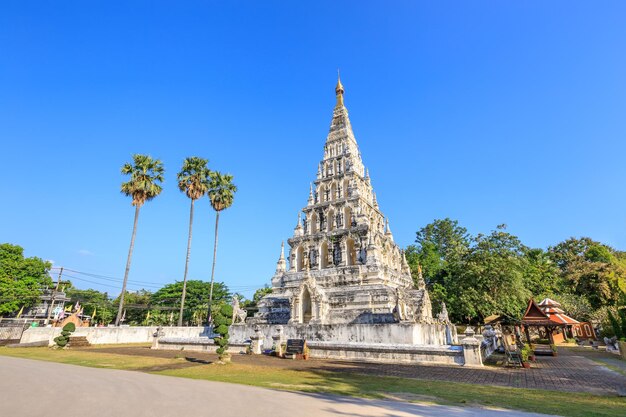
(405, 264)
(372, 250)
(339, 91)
(311, 200)
(388, 229)
(421, 284)
(298, 230)
(281, 265)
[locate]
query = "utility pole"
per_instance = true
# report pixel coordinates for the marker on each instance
(53, 295)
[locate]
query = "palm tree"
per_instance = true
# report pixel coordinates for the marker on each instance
(146, 174)
(221, 193)
(193, 180)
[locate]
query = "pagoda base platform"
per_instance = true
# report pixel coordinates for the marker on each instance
(391, 343)
(424, 334)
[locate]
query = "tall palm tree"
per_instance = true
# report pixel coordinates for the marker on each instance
(146, 174)
(221, 193)
(193, 180)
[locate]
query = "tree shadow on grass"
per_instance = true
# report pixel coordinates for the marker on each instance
(198, 361)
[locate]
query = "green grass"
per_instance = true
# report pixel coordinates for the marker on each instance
(450, 393)
(343, 383)
(87, 358)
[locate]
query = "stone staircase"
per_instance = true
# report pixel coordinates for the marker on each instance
(79, 341)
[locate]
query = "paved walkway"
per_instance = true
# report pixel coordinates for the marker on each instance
(40, 389)
(572, 371)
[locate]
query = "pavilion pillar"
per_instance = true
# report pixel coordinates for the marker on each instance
(527, 333)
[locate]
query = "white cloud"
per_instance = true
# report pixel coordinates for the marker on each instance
(85, 252)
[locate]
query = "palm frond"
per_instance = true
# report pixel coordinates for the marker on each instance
(194, 177)
(146, 174)
(221, 191)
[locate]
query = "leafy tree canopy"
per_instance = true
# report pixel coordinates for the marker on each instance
(197, 294)
(496, 274)
(21, 279)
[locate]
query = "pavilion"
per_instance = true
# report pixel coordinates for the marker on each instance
(549, 316)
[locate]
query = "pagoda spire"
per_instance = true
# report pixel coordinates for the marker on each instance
(339, 91)
(281, 265)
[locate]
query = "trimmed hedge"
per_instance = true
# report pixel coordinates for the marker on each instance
(222, 318)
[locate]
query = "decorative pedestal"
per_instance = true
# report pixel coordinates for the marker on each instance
(471, 348)
(256, 344)
(279, 339)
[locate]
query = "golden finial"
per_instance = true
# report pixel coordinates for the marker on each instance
(339, 90)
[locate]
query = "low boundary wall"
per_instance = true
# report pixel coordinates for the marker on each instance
(113, 335)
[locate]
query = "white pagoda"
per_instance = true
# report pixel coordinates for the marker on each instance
(344, 267)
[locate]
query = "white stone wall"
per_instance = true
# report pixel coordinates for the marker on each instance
(397, 333)
(111, 335)
(451, 355)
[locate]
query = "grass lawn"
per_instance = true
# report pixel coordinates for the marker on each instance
(343, 383)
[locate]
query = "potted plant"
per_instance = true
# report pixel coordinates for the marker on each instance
(525, 353)
(554, 350)
(531, 352)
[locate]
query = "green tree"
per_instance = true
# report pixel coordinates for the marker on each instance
(260, 293)
(136, 305)
(540, 273)
(439, 245)
(590, 269)
(491, 280)
(193, 180)
(575, 306)
(197, 300)
(221, 194)
(93, 300)
(146, 176)
(21, 279)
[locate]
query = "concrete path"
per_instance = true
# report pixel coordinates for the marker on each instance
(37, 389)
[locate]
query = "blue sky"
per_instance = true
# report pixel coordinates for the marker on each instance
(485, 112)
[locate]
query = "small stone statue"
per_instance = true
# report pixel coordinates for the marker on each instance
(239, 314)
(443, 315)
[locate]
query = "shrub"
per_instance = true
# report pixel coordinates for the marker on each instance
(69, 327)
(61, 341)
(525, 353)
(64, 338)
(222, 318)
(618, 323)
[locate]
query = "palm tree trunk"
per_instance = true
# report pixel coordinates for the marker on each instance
(130, 255)
(217, 222)
(182, 300)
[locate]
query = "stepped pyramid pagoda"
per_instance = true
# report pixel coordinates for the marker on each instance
(347, 292)
(344, 267)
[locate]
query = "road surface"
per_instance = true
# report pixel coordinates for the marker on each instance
(40, 389)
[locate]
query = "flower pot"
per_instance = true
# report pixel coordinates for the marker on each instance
(526, 365)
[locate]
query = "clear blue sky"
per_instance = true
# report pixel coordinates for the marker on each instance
(486, 112)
